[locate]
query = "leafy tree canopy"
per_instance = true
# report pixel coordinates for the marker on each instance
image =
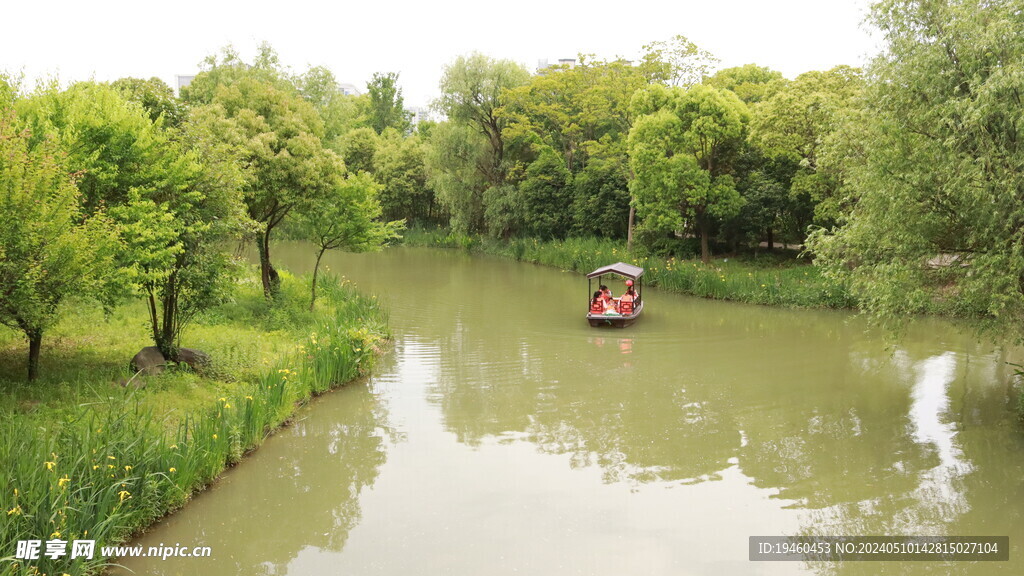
(940, 176)
(752, 83)
(677, 61)
(49, 249)
(387, 108)
(681, 148)
(155, 96)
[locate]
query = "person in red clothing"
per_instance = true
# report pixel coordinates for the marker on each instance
(611, 305)
(628, 299)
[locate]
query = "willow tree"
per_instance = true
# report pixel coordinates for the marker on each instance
(681, 147)
(939, 184)
(468, 158)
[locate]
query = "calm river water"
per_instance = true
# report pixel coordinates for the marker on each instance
(502, 435)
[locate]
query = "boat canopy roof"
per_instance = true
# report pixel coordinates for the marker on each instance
(620, 268)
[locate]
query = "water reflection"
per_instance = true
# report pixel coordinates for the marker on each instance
(940, 487)
(513, 427)
(297, 493)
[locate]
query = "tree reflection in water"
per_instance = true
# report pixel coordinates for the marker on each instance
(305, 496)
(854, 439)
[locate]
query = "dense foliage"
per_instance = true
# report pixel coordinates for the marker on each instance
(904, 172)
(118, 189)
(550, 155)
(936, 171)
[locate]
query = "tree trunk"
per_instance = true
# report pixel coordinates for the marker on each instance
(154, 320)
(167, 342)
(705, 252)
(35, 344)
(629, 228)
(771, 239)
(268, 274)
(316, 270)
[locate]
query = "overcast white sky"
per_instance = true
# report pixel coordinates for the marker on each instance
(110, 39)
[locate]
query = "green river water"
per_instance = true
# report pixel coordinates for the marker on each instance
(502, 435)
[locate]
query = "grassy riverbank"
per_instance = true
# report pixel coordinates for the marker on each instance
(84, 458)
(777, 279)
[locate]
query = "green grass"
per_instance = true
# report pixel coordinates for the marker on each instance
(771, 279)
(83, 458)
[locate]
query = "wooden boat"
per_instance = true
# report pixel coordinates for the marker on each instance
(616, 320)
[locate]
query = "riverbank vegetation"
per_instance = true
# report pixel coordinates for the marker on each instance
(777, 278)
(121, 205)
(86, 454)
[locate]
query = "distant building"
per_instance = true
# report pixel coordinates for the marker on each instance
(349, 89)
(181, 81)
(419, 114)
(543, 65)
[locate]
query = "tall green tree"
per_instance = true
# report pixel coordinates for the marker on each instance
(228, 67)
(346, 218)
(174, 194)
(387, 108)
(110, 140)
(471, 90)
(799, 124)
(769, 212)
(358, 149)
(278, 136)
(155, 96)
(341, 113)
(456, 158)
(601, 198)
(569, 109)
(174, 233)
(583, 113)
(677, 61)
(938, 186)
(752, 83)
(49, 248)
(9, 88)
(399, 165)
(681, 148)
(547, 196)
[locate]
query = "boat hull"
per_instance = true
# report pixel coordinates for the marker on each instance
(602, 320)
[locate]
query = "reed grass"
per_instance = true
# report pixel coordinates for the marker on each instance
(764, 279)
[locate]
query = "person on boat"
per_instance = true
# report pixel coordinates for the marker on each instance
(630, 294)
(611, 306)
(628, 299)
(597, 303)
